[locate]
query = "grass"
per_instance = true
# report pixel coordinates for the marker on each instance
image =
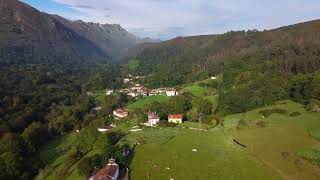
(278, 145)
(141, 103)
(216, 158)
(196, 125)
(151, 136)
(196, 90)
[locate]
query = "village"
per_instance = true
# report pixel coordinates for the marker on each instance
(137, 91)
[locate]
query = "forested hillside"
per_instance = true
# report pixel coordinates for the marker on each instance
(258, 67)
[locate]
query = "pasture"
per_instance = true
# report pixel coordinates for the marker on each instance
(141, 103)
(216, 157)
(284, 143)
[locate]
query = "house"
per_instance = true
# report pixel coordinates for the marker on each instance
(120, 113)
(126, 80)
(109, 172)
(153, 119)
(132, 94)
(106, 128)
(89, 93)
(109, 92)
(175, 118)
(96, 108)
(171, 92)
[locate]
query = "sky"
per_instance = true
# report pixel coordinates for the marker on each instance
(166, 19)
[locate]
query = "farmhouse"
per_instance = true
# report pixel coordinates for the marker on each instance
(109, 172)
(175, 118)
(171, 92)
(126, 80)
(96, 108)
(89, 93)
(106, 128)
(153, 119)
(109, 92)
(120, 113)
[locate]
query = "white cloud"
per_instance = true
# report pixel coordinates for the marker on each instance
(169, 18)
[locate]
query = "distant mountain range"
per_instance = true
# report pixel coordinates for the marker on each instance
(30, 36)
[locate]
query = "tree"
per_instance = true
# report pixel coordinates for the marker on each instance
(13, 143)
(35, 134)
(109, 103)
(88, 164)
(11, 165)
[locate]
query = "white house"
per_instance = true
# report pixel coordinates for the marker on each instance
(104, 129)
(153, 119)
(109, 92)
(97, 108)
(89, 93)
(171, 92)
(126, 80)
(109, 172)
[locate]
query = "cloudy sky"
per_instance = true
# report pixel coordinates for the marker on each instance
(165, 19)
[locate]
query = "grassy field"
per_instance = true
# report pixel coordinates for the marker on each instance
(216, 158)
(284, 143)
(141, 103)
(196, 90)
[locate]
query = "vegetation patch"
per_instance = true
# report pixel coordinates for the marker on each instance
(312, 154)
(196, 90)
(295, 114)
(142, 103)
(269, 112)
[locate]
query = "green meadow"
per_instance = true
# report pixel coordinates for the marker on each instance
(216, 157)
(141, 103)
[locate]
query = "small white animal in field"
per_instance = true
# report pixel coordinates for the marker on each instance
(194, 150)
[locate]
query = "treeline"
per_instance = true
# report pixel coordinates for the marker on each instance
(263, 76)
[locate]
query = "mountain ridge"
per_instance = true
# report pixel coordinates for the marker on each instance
(27, 33)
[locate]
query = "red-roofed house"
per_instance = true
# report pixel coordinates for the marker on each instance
(175, 118)
(109, 172)
(120, 113)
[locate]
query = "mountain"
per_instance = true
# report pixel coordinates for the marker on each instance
(30, 36)
(111, 38)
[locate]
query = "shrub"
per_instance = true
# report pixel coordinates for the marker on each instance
(242, 123)
(87, 165)
(312, 106)
(269, 112)
(294, 114)
(261, 124)
(165, 123)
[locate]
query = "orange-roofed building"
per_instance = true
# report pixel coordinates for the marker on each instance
(175, 118)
